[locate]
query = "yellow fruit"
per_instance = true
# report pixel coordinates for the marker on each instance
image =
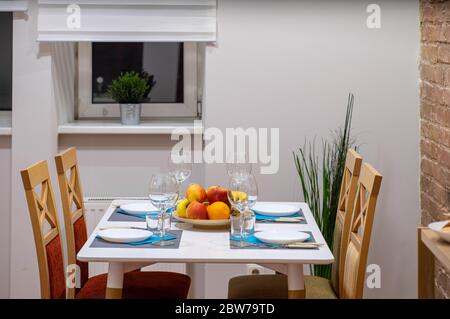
(218, 210)
(239, 196)
(181, 208)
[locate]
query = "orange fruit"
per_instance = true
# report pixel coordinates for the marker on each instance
(218, 210)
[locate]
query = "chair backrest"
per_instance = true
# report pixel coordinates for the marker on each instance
(368, 188)
(73, 208)
(346, 203)
(44, 221)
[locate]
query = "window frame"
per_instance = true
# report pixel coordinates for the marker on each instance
(85, 109)
(6, 113)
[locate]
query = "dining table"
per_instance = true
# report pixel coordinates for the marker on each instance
(199, 246)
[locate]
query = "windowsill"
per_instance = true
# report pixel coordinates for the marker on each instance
(5, 123)
(105, 127)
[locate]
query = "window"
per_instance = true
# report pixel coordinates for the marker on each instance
(6, 61)
(173, 65)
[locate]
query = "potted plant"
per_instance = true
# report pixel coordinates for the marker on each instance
(129, 90)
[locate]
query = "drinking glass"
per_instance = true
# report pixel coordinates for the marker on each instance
(249, 219)
(163, 193)
(180, 168)
(238, 197)
(238, 165)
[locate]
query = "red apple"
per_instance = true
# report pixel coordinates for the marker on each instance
(217, 194)
(195, 192)
(196, 210)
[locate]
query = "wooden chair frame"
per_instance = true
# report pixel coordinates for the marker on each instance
(71, 193)
(346, 204)
(41, 208)
(368, 188)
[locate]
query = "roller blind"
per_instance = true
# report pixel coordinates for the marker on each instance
(127, 21)
(13, 6)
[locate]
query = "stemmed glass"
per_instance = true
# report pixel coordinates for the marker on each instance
(238, 165)
(238, 197)
(180, 169)
(163, 193)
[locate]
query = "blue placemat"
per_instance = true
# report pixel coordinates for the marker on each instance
(255, 241)
(120, 215)
(175, 237)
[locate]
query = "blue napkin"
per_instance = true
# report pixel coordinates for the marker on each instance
(264, 217)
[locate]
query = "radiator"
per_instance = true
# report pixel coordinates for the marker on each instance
(95, 208)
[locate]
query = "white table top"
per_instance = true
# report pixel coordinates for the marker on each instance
(209, 246)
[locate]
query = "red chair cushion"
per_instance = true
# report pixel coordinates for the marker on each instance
(141, 285)
(56, 269)
(80, 234)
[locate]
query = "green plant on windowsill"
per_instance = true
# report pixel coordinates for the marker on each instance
(321, 177)
(129, 88)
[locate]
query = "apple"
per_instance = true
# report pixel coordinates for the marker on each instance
(196, 192)
(217, 194)
(196, 210)
(182, 207)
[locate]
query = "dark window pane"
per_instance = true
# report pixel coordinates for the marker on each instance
(5, 61)
(163, 60)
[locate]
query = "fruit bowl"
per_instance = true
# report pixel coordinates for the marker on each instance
(204, 223)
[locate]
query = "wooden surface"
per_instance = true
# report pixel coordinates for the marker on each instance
(430, 246)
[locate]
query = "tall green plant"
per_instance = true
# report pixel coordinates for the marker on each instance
(321, 177)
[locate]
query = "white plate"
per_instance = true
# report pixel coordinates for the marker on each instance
(437, 228)
(138, 208)
(275, 209)
(124, 235)
(282, 237)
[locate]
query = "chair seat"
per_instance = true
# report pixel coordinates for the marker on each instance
(318, 288)
(140, 285)
(258, 287)
(275, 287)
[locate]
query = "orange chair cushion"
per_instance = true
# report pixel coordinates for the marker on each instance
(141, 285)
(56, 269)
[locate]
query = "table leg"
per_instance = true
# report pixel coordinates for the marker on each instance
(115, 280)
(197, 274)
(296, 285)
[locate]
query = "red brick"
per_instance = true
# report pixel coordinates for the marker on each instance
(429, 53)
(430, 32)
(444, 33)
(431, 92)
(432, 73)
(443, 53)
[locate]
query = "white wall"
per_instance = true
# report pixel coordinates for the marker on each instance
(291, 64)
(5, 199)
(286, 64)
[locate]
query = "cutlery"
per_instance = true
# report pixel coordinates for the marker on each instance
(284, 220)
(293, 245)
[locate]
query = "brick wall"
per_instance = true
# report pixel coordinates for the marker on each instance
(435, 120)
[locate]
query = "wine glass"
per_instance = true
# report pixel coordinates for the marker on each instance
(238, 197)
(180, 169)
(163, 193)
(238, 165)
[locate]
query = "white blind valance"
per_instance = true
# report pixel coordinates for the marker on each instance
(17, 5)
(127, 21)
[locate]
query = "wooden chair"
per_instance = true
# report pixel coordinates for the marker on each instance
(44, 221)
(137, 284)
(355, 263)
